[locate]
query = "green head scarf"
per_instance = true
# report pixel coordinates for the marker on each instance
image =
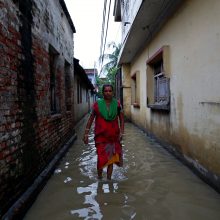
(108, 114)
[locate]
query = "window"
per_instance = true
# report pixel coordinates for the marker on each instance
(67, 86)
(135, 90)
(79, 92)
(53, 55)
(87, 95)
(158, 91)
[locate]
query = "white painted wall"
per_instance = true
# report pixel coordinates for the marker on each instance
(193, 124)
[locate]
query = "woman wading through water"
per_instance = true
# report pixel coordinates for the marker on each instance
(109, 128)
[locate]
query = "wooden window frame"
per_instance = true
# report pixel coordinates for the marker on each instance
(135, 99)
(53, 56)
(67, 86)
(79, 91)
(158, 87)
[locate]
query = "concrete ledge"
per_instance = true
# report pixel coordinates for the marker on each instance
(20, 207)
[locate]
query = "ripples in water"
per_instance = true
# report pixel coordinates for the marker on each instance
(152, 185)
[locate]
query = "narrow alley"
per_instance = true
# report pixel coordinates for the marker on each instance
(151, 185)
(164, 72)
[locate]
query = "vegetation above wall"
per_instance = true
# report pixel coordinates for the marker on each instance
(110, 68)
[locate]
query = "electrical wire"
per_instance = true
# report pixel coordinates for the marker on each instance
(103, 25)
(106, 33)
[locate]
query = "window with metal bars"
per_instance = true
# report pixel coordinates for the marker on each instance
(158, 83)
(135, 90)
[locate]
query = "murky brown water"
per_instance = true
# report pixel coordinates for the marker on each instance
(152, 185)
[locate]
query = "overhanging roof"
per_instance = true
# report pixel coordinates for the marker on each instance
(148, 21)
(82, 74)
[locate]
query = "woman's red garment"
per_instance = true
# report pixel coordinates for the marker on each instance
(107, 139)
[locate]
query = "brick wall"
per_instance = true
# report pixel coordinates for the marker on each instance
(30, 134)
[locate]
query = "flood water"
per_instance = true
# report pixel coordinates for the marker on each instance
(152, 185)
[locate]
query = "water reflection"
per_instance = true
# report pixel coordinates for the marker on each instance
(95, 198)
(68, 179)
(97, 195)
(152, 185)
(93, 210)
(88, 163)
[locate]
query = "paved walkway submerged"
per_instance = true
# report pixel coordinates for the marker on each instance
(152, 185)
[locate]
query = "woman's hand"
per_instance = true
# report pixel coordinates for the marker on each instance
(121, 135)
(85, 139)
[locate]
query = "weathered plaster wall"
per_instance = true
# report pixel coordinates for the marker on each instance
(193, 124)
(129, 10)
(126, 83)
(81, 109)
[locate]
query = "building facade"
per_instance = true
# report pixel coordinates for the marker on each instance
(170, 82)
(36, 90)
(92, 74)
(84, 89)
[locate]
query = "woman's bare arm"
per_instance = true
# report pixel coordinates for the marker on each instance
(88, 126)
(121, 120)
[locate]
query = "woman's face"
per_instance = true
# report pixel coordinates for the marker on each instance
(107, 92)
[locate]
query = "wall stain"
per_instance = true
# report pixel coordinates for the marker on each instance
(199, 153)
(203, 151)
(194, 146)
(26, 93)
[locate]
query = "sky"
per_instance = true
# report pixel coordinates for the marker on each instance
(87, 17)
